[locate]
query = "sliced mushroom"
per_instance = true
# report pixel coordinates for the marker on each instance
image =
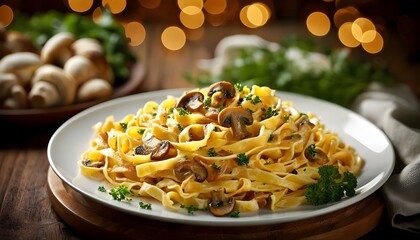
(151, 145)
(184, 169)
(220, 204)
(192, 101)
(304, 121)
(80, 68)
(84, 45)
(212, 113)
(93, 89)
(316, 155)
(237, 118)
(22, 64)
(226, 91)
(90, 163)
(57, 50)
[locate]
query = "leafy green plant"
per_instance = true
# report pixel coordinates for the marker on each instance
(107, 31)
(340, 82)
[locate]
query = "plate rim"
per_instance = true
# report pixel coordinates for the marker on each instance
(231, 222)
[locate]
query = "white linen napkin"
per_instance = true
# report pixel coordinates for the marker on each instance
(394, 110)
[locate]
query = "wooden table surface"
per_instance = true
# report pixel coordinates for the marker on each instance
(25, 207)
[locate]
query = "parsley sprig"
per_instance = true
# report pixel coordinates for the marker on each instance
(329, 188)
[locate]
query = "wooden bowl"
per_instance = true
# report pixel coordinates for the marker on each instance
(58, 115)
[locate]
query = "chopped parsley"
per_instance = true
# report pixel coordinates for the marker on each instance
(146, 206)
(141, 131)
(239, 87)
(191, 209)
(120, 193)
(242, 159)
(123, 126)
(254, 100)
(270, 138)
(211, 152)
(183, 111)
(270, 112)
(101, 189)
(234, 214)
(207, 102)
(180, 128)
(215, 166)
(286, 117)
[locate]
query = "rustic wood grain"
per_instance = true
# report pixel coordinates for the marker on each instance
(95, 220)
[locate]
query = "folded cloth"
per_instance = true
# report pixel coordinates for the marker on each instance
(396, 111)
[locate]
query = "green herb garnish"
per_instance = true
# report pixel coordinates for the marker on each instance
(329, 188)
(191, 209)
(147, 206)
(123, 126)
(242, 159)
(183, 112)
(211, 152)
(234, 214)
(120, 193)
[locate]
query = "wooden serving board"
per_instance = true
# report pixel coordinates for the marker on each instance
(94, 220)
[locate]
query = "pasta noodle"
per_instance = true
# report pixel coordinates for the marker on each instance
(244, 146)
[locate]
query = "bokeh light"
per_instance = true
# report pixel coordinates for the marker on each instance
(346, 37)
(360, 26)
(150, 4)
(97, 15)
(115, 6)
(254, 15)
(347, 14)
(190, 6)
(318, 23)
(136, 32)
(6, 15)
(80, 5)
(173, 38)
(374, 46)
(192, 21)
(215, 6)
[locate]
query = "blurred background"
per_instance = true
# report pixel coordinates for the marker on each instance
(376, 29)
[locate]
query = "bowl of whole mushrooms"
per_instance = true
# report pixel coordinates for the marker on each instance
(50, 84)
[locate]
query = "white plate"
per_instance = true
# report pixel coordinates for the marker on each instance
(72, 138)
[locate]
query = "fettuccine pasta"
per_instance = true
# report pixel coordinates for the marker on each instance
(223, 147)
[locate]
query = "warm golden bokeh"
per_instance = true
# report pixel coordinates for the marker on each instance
(347, 14)
(318, 23)
(190, 6)
(6, 15)
(136, 32)
(97, 15)
(150, 4)
(192, 21)
(360, 26)
(254, 15)
(173, 38)
(346, 36)
(374, 46)
(215, 6)
(115, 6)
(80, 5)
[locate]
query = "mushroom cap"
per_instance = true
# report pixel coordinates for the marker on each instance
(7, 80)
(22, 64)
(192, 100)
(236, 118)
(226, 89)
(95, 88)
(65, 84)
(221, 204)
(103, 68)
(316, 155)
(43, 94)
(57, 49)
(83, 46)
(185, 168)
(151, 145)
(19, 42)
(17, 98)
(80, 68)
